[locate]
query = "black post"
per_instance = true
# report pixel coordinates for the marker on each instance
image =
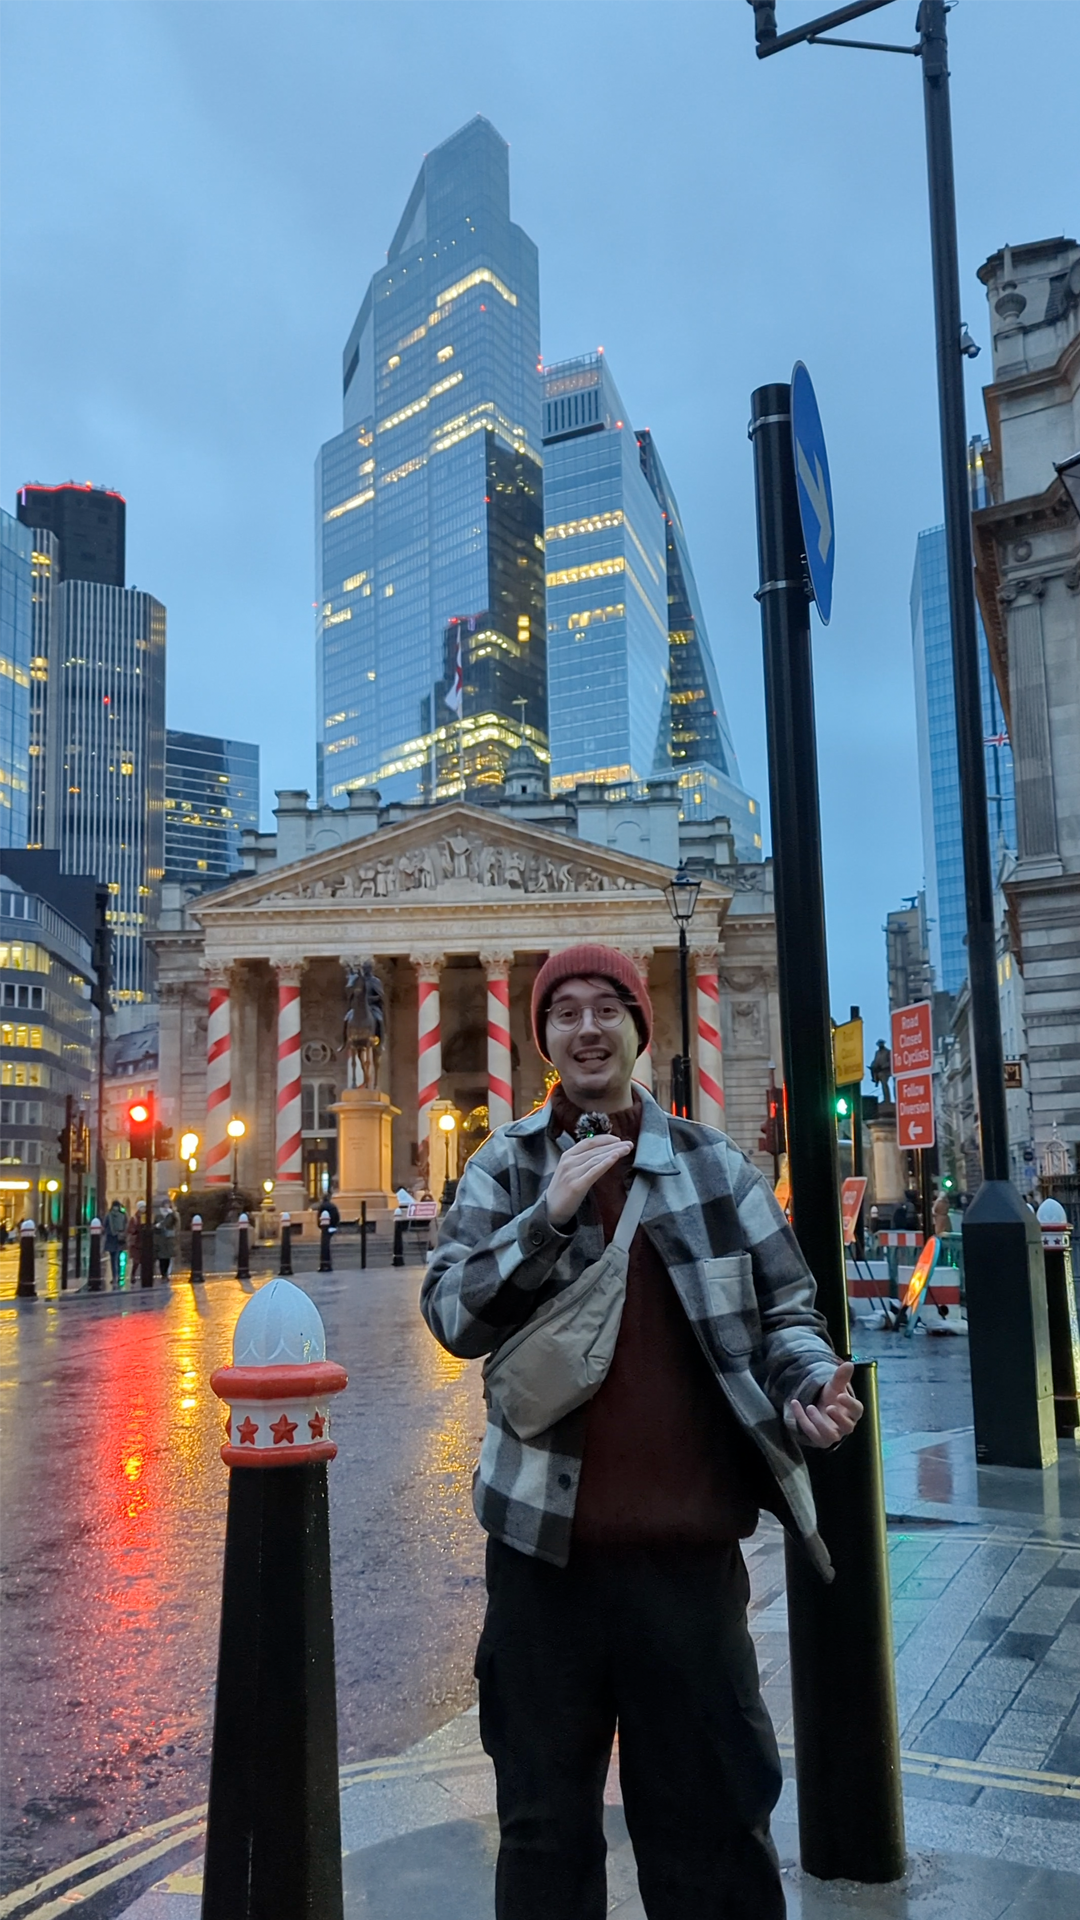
(1061, 1309)
(79, 1203)
(285, 1265)
(243, 1248)
(65, 1198)
(398, 1258)
(363, 1235)
(1004, 1280)
(684, 1007)
(851, 1821)
(25, 1286)
(94, 1282)
(273, 1842)
(196, 1249)
(326, 1264)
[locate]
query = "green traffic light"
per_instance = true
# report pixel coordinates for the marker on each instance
(843, 1107)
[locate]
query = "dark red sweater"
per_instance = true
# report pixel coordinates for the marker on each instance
(665, 1458)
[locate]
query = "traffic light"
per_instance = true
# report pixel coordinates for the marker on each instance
(772, 1139)
(163, 1146)
(140, 1128)
(64, 1141)
(842, 1106)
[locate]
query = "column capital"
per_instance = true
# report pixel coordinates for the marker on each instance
(221, 974)
(289, 972)
(496, 962)
(706, 958)
(428, 966)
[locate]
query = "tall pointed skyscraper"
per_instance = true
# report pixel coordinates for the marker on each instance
(429, 503)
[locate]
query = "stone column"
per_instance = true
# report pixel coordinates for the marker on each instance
(288, 1158)
(643, 1066)
(217, 1148)
(428, 1043)
(499, 1058)
(710, 1063)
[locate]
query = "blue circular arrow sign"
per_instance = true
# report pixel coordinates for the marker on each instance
(814, 488)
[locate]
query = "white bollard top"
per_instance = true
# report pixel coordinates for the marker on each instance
(196, 1220)
(324, 1218)
(286, 1219)
(279, 1327)
(28, 1227)
(243, 1221)
(95, 1225)
(1053, 1215)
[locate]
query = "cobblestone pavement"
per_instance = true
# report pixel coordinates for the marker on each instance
(985, 1573)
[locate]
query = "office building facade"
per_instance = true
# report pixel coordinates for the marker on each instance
(607, 631)
(211, 798)
(45, 572)
(939, 779)
(106, 792)
(430, 629)
(89, 525)
(16, 634)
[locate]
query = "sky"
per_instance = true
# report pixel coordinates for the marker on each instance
(195, 195)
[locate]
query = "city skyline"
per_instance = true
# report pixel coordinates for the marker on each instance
(615, 255)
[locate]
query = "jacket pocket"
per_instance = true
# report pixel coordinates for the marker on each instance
(735, 1321)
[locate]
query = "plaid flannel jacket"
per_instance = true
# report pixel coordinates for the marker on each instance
(735, 1265)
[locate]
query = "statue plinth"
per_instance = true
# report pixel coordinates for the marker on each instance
(364, 1117)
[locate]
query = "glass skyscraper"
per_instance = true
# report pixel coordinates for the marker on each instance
(428, 505)
(939, 780)
(607, 632)
(211, 795)
(16, 626)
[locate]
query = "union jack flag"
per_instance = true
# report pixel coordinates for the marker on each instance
(996, 740)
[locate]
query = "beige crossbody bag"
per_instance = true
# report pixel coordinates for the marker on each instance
(561, 1356)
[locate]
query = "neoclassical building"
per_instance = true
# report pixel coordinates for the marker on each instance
(456, 906)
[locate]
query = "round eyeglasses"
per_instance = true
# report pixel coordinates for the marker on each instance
(567, 1018)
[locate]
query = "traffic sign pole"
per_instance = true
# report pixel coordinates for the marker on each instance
(850, 1802)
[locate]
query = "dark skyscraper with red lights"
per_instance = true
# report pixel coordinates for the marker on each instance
(88, 524)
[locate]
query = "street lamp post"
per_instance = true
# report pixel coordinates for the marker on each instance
(1003, 1261)
(236, 1131)
(681, 894)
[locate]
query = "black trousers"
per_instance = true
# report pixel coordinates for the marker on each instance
(654, 1641)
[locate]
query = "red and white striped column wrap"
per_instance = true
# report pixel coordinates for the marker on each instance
(428, 1044)
(643, 1070)
(288, 1144)
(216, 1166)
(499, 1059)
(710, 1055)
(710, 1045)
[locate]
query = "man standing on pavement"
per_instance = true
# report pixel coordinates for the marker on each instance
(617, 1591)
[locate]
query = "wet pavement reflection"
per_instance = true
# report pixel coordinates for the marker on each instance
(113, 1505)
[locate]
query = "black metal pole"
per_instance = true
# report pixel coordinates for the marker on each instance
(363, 1235)
(684, 997)
(1005, 1286)
(196, 1249)
(326, 1264)
(851, 1822)
(79, 1210)
(285, 1265)
(147, 1274)
(65, 1199)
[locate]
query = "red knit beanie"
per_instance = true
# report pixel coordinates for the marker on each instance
(578, 962)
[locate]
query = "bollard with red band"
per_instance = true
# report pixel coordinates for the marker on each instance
(326, 1264)
(94, 1281)
(25, 1287)
(285, 1265)
(196, 1249)
(1061, 1313)
(243, 1248)
(273, 1843)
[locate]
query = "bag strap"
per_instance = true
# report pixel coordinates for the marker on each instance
(630, 1217)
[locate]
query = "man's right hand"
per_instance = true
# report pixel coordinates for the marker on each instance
(579, 1169)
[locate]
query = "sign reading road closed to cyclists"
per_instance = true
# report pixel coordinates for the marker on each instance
(915, 1110)
(912, 1039)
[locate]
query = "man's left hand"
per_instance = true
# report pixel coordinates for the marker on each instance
(833, 1415)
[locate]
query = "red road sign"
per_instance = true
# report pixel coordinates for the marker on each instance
(915, 1110)
(912, 1040)
(851, 1199)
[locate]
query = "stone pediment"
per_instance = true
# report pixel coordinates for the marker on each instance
(451, 854)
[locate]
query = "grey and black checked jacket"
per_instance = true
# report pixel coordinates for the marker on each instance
(735, 1265)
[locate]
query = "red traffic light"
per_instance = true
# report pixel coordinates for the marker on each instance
(139, 1113)
(140, 1128)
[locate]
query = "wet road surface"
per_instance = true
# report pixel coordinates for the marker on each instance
(112, 1499)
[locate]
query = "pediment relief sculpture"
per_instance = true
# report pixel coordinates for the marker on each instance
(458, 859)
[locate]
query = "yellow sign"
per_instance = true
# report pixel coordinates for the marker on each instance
(848, 1067)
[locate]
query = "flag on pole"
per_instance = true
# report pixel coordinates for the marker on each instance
(456, 690)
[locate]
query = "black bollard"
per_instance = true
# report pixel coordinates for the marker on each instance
(363, 1235)
(25, 1288)
(398, 1259)
(146, 1252)
(94, 1281)
(326, 1264)
(1061, 1313)
(285, 1265)
(243, 1249)
(273, 1842)
(196, 1249)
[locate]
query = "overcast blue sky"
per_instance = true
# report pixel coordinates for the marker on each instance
(196, 193)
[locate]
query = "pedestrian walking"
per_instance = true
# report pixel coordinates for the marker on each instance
(623, 1463)
(166, 1223)
(115, 1240)
(942, 1223)
(133, 1242)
